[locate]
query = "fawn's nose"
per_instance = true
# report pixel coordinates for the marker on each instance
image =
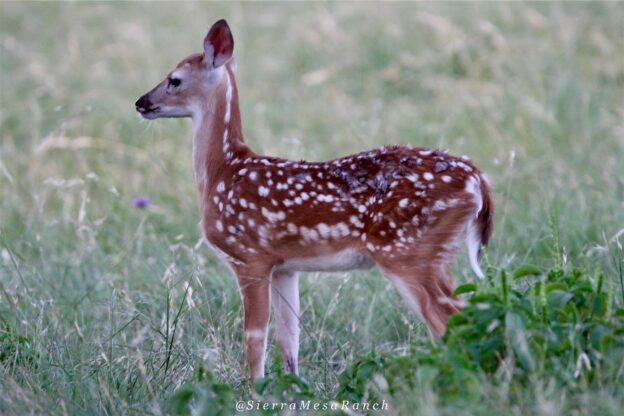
(143, 104)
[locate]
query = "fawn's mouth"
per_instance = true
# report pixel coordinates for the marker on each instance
(148, 113)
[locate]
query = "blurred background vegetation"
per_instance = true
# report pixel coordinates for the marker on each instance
(103, 294)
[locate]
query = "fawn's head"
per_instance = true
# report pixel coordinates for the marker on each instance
(194, 80)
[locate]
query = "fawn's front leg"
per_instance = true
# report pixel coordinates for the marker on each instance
(256, 298)
(285, 299)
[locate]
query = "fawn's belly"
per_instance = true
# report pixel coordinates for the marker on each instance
(341, 261)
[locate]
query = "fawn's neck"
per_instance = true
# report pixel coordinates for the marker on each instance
(217, 133)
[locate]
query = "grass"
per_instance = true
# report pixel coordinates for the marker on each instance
(109, 309)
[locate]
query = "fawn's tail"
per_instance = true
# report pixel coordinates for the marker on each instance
(480, 229)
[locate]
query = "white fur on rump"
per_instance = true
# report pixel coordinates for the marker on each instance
(473, 239)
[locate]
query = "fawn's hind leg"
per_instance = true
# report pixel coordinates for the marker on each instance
(421, 269)
(427, 289)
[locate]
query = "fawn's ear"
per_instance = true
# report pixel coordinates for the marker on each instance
(218, 44)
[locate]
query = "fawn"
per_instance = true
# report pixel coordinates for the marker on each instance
(401, 208)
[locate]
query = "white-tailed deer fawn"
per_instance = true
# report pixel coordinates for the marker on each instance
(401, 208)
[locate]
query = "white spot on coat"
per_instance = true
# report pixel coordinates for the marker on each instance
(273, 216)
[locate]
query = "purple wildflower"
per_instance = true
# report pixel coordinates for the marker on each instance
(140, 202)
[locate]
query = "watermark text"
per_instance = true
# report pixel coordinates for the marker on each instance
(303, 405)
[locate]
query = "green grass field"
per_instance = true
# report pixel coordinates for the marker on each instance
(110, 309)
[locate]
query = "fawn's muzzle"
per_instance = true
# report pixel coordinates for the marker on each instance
(143, 105)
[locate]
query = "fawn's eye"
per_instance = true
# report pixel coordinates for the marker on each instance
(175, 82)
